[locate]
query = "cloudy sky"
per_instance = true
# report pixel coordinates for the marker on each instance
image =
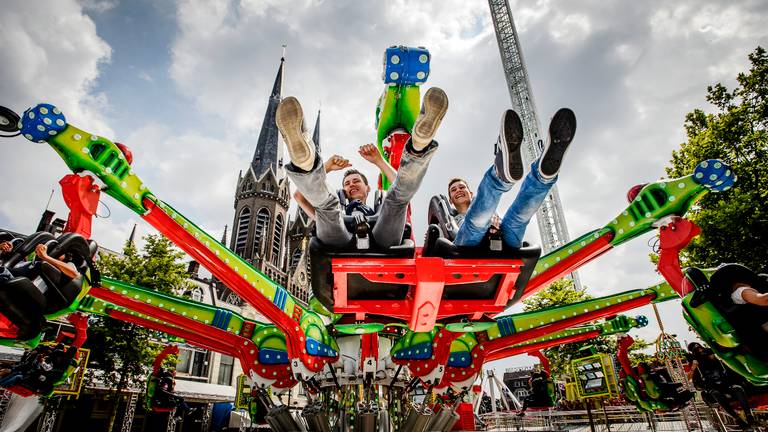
(184, 85)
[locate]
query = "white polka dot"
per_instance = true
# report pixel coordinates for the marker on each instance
(47, 121)
(28, 136)
(43, 110)
(31, 115)
(41, 128)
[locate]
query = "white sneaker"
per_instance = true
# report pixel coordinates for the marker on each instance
(290, 122)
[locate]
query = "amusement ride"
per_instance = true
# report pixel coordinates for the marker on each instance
(406, 317)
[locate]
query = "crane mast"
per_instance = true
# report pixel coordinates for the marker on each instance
(550, 217)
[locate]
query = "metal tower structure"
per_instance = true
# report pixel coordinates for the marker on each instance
(550, 217)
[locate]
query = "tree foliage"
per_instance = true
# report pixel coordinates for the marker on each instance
(733, 223)
(120, 350)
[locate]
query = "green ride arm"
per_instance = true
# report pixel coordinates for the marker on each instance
(398, 108)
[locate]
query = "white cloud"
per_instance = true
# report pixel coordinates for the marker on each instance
(51, 53)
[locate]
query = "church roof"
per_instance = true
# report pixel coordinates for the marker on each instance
(269, 152)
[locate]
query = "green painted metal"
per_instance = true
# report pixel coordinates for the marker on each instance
(654, 202)
(84, 152)
(398, 108)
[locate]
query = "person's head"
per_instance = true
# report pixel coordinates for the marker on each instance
(458, 193)
(355, 185)
(696, 348)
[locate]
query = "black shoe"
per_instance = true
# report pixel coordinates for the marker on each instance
(509, 159)
(561, 131)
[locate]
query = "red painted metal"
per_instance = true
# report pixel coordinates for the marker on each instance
(535, 348)
(82, 197)
(568, 265)
(673, 238)
(482, 350)
(544, 360)
(426, 277)
(168, 350)
(622, 355)
(369, 352)
(230, 346)
(295, 338)
(441, 346)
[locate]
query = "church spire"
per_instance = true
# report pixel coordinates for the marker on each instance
(269, 152)
(132, 236)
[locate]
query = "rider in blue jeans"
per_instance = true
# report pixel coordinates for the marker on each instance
(477, 214)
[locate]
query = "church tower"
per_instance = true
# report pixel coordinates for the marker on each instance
(262, 198)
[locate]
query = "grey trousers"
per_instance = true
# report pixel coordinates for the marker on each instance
(329, 216)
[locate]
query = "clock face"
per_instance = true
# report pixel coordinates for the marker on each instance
(302, 278)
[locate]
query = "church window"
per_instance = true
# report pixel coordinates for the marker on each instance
(241, 237)
(262, 223)
(277, 239)
(295, 257)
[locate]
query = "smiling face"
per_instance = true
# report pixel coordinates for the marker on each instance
(459, 194)
(355, 187)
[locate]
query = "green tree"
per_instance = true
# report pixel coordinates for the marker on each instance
(121, 351)
(734, 223)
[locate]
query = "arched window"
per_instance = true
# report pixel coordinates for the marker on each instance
(262, 224)
(197, 294)
(295, 257)
(241, 236)
(277, 239)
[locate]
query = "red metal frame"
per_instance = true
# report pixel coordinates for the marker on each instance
(673, 238)
(534, 349)
(294, 335)
(426, 277)
(441, 345)
(168, 350)
(82, 197)
(485, 348)
(199, 334)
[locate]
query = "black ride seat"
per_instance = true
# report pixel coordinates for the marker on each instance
(23, 303)
(747, 319)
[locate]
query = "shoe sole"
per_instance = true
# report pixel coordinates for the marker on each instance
(561, 132)
(512, 140)
(290, 118)
(434, 107)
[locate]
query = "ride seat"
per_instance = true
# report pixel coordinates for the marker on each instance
(23, 304)
(749, 320)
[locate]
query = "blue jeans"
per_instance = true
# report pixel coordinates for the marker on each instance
(516, 219)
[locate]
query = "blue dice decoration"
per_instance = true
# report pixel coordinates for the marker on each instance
(714, 174)
(406, 65)
(42, 122)
(641, 320)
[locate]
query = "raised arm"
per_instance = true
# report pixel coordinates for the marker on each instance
(334, 163)
(67, 269)
(371, 153)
